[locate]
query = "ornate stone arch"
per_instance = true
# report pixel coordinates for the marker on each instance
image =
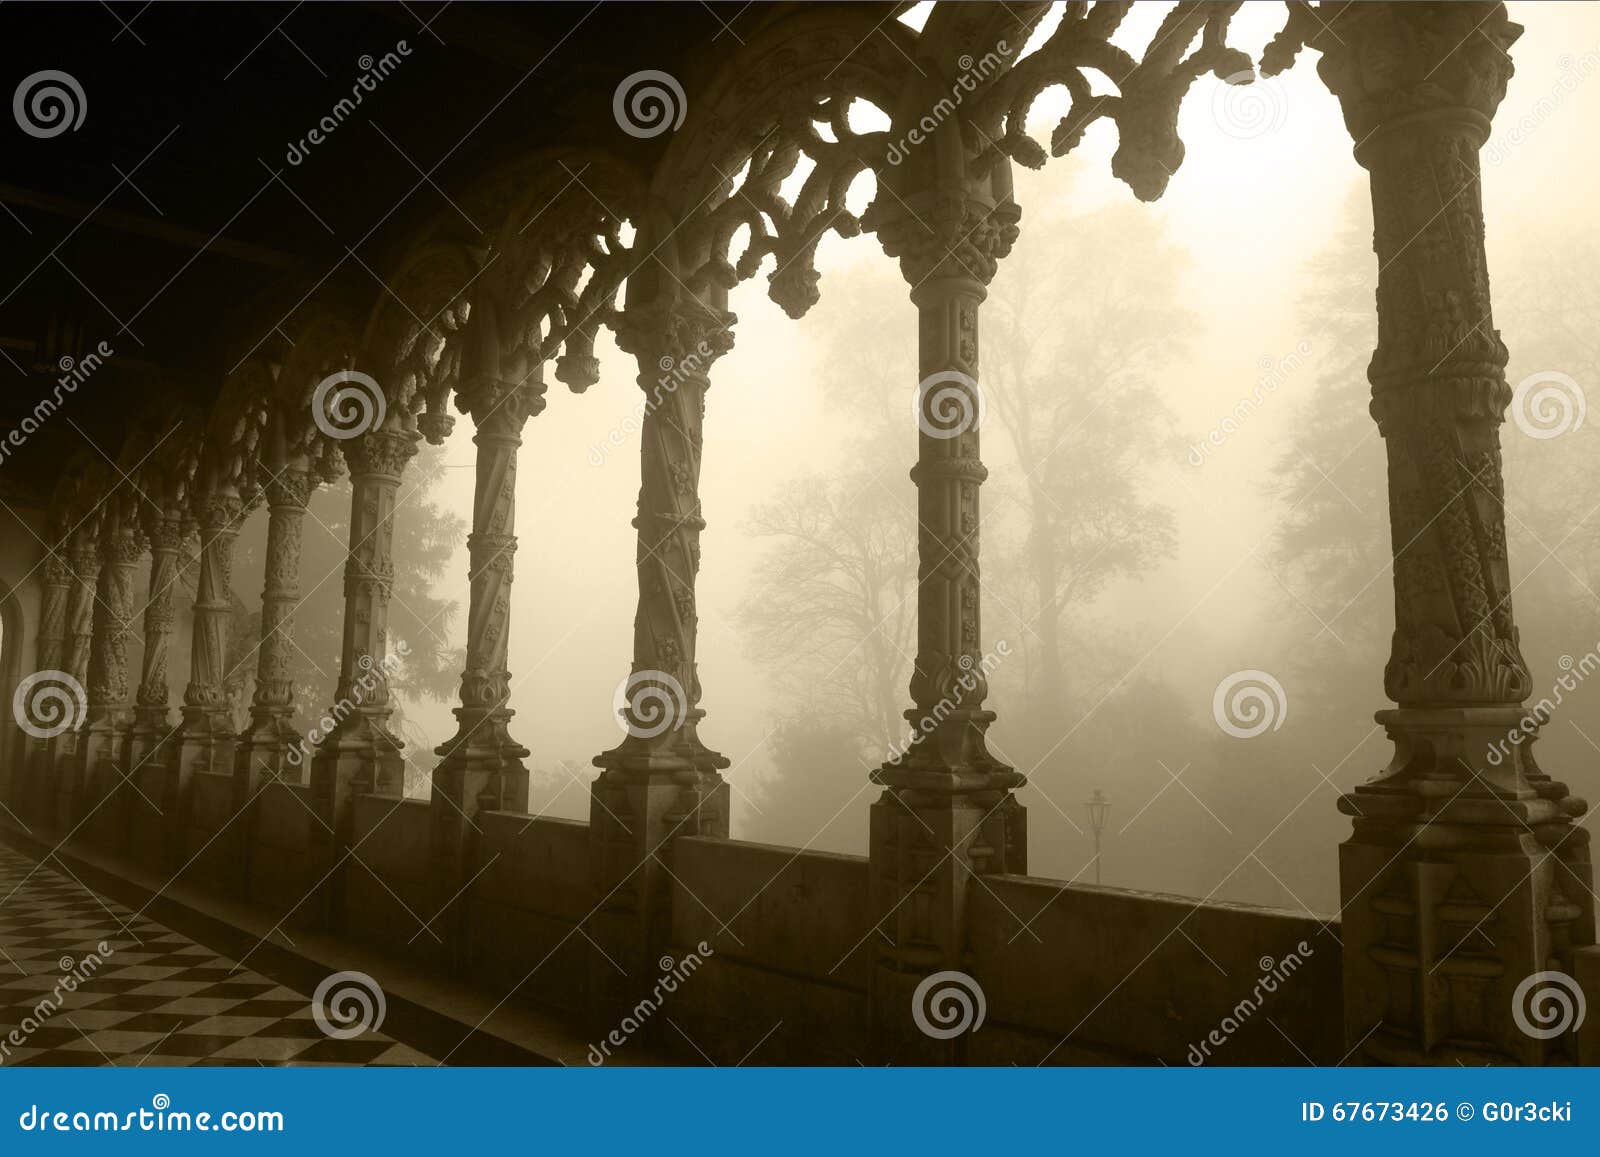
(405, 343)
(762, 110)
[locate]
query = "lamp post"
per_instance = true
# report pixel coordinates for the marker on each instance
(1099, 807)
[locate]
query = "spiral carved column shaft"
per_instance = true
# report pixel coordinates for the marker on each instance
(205, 736)
(109, 701)
(32, 791)
(675, 345)
(151, 723)
(360, 753)
(69, 747)
(84, 561)
(1464, 874)
(481, 765)
(264, 746)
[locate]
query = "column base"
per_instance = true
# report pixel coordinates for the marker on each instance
(361, 757)
(926, 848)
(204, 741)
(150, 738)
(480, 770)
(103, 790)
(270, 750)
(634, 814)
(1463, 879)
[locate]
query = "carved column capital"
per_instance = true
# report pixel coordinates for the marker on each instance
(1390, 62)
(946, 234)
(381, 453)
(500, 408)
(290, 487)
(675, 339)
(217, 510)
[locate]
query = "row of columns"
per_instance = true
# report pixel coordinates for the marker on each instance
(1461, 877)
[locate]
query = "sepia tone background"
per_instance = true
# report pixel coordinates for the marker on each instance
(1120, 335)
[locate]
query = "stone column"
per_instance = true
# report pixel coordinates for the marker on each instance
(480, 768)
(205, 735)
(661, 781)
(1465, 875)
(360, 755)
(264, 749)
(32, 793)
(84, 560)
(947, 812)
(110, 707)
(152, 725)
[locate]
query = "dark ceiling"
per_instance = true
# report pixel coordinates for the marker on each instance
(154, 224)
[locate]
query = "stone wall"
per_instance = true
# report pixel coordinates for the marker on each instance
(771, 947)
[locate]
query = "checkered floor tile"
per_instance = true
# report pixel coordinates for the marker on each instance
(154, 998)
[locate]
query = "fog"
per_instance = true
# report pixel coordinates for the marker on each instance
(1251, 278)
